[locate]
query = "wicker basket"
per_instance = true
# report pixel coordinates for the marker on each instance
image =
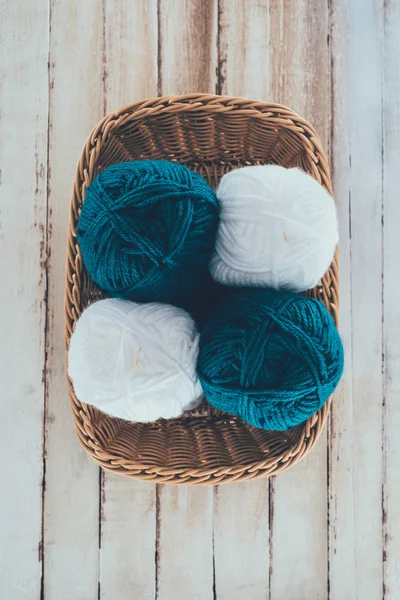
(211, 135)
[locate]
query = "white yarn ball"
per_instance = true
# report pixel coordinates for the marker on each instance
(278, 229)
(135, 361)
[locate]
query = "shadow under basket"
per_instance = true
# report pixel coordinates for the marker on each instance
(211, 135)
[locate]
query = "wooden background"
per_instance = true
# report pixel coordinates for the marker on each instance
(328, 528)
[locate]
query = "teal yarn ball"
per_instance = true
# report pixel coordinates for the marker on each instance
(272, 358)
(147, 230)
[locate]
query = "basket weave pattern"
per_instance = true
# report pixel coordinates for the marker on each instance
(211, 135)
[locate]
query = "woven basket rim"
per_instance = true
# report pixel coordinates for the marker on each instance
(152, 108)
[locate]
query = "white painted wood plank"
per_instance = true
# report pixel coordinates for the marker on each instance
(128, 507)
(184, 544)
(241, 533)
(188, 46)
(128, 533)
(298, 522)
(244, 52)
(23, 252)
(71, 536)
(130, 52)
(241, 513)
(356, 457)
(184, 557)
(391, 317)
(300, 61)
(342, 555)
(298, 530)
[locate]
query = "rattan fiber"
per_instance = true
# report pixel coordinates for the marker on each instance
(211, 135)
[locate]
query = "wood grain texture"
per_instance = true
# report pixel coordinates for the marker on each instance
(356, 461)
(128, 507)
(187, 46)
(342, 509)
(71, 540)
(241, 512)
(244, 51)
(342, 461)
(391, 298)
(241, 530)
(300, 61)
(130, 52)
(184, 544)
(23, 291)
(187, 63)
(300, 78)
(128, 534)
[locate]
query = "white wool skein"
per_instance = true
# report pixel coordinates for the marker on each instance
(135, 361)
(278, 229)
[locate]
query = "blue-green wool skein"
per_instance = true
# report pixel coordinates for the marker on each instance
(271, 358)
(147, 230)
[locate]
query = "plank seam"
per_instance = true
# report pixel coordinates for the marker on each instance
(220, 78)
(101, 518)
(331, 415)
(214, 496)
(383, 8)
(159, 51)
(104, 57)
(219, 82)
(271, 497)
(157, 541)
(101, 484)
(45, 267)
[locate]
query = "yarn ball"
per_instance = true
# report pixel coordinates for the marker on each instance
(135, 361)
(271, 358)
(147, 230)
(278, 229)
